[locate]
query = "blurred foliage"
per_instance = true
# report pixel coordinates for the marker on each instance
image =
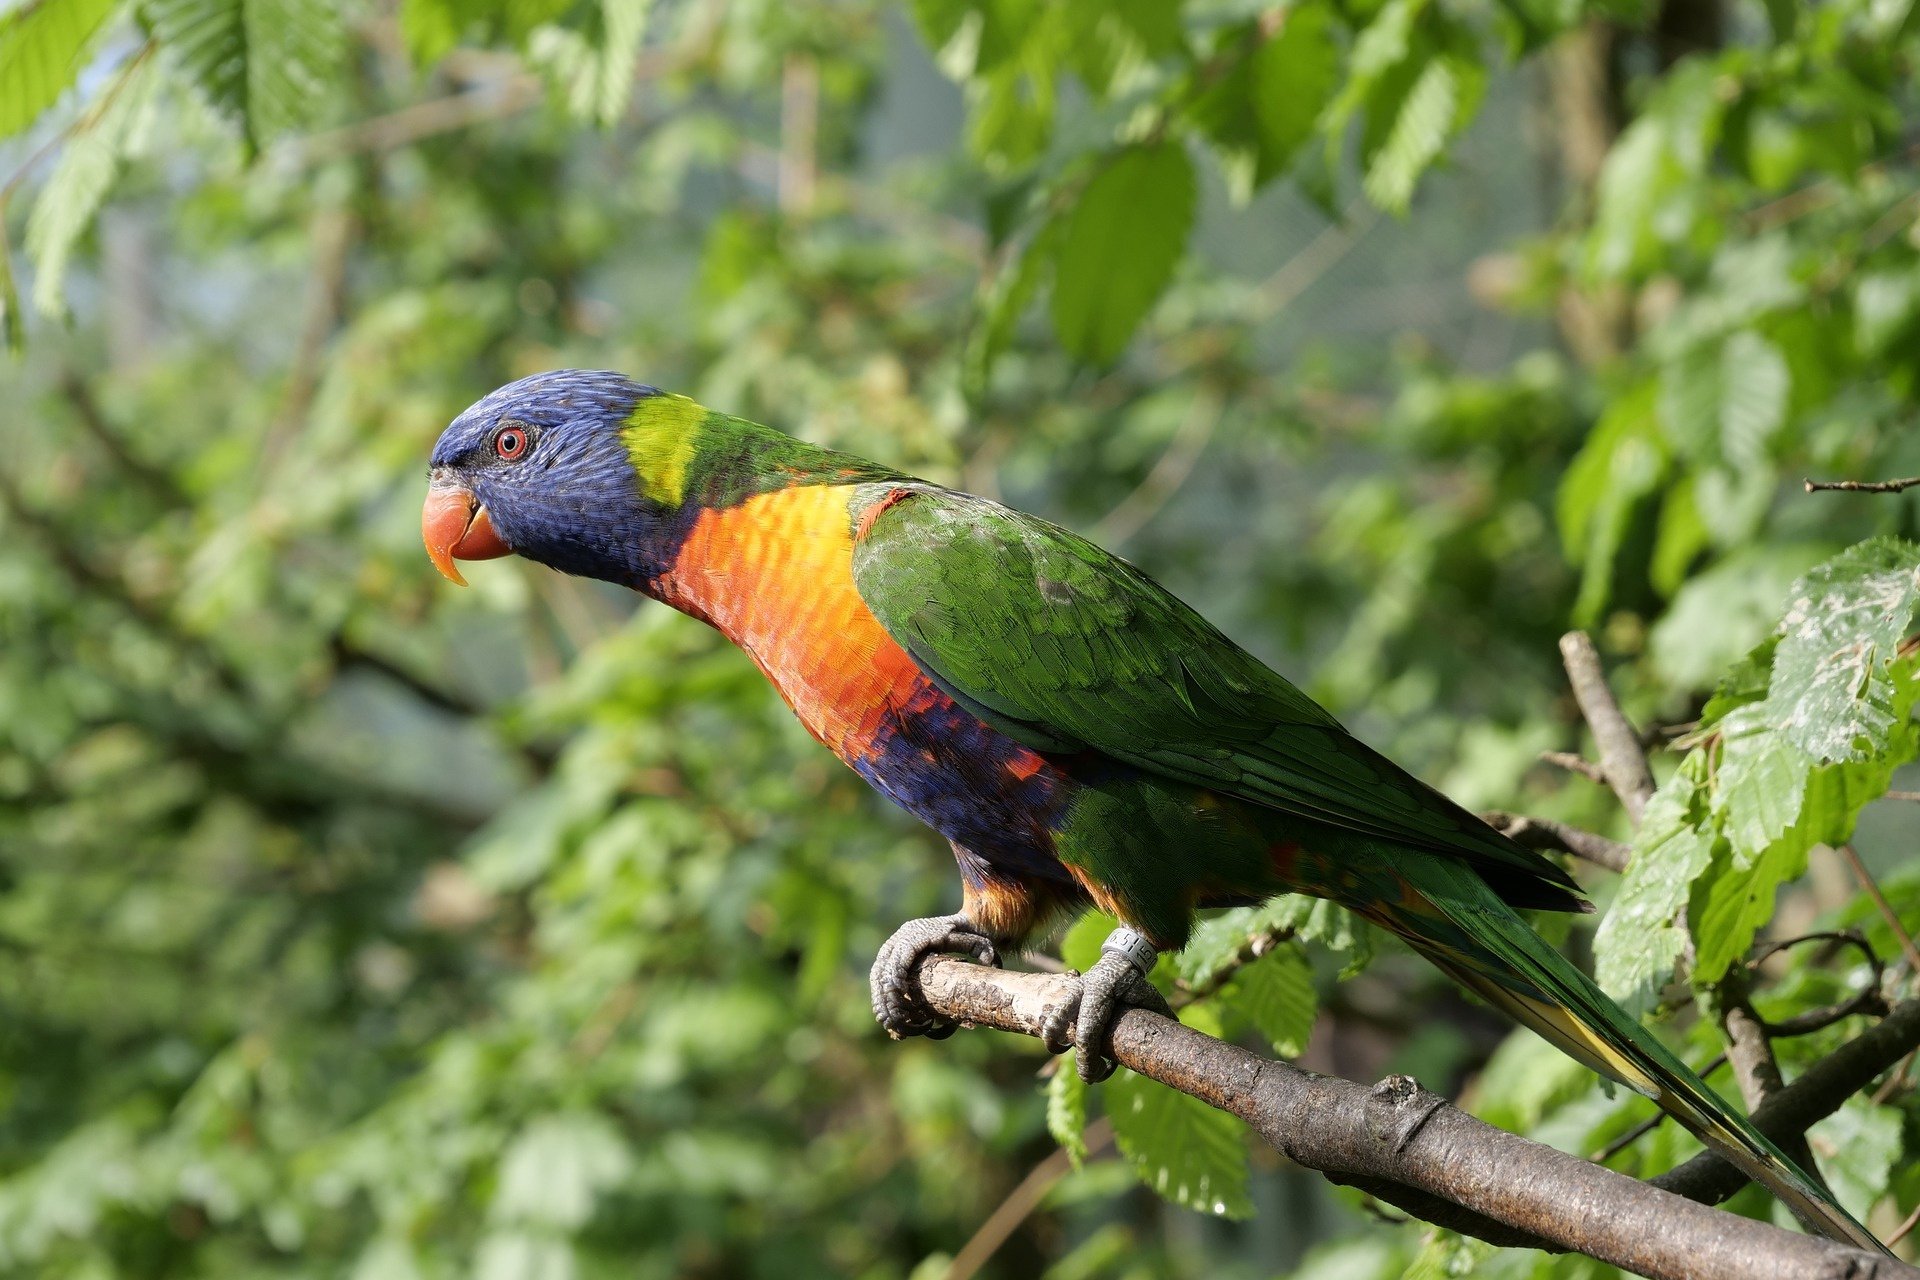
(354, 926)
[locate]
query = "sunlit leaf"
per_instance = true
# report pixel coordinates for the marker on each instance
(43, 44)
(1067, 1108)
(266, 64)
(1275, 993)
(113, 128)
(1181, 1147)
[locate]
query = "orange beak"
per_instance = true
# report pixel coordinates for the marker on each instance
(454, 526)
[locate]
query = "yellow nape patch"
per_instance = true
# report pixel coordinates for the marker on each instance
(661, 435)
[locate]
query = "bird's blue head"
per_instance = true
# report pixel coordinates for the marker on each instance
(540, 469)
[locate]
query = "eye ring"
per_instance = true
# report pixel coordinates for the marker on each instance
(510, 442)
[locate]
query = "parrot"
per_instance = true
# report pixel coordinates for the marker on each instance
(1079, 736)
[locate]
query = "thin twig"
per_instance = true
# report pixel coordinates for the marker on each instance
(1861, 486)
(1900, 1232)
(1552, 835)
(1171, 471)
(1817, 1093)
(1896, 1080)
(1869, 999)
(1872, 886)
(1622, 758)
(1653, 1121)
(1575, 763)
(1021, 1202)
(1756, 1071)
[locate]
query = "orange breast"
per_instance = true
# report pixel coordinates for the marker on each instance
(775, 576)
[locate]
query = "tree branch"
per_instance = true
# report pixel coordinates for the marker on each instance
(1622, 759)
(1816, 1095)
(1553, 835)
(1861, 486)
(1416, 1151)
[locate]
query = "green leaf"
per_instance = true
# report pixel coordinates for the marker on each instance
(1619, 468)
(1832, 689)
(1722, 613)
(1181, 1147)
(431, 29)
(43, 45)
(1726, 403)
(1067, 1108)
(1217, 941)
(1267, 107)
(1732, 902)
(1761, 783)
(115, 127)
(1080, 948)
(556, 1168)
(265, 64)
(1865, 1139)
(1753, 406)
(593, 72)
(1294, 77)
(1745, 681)
(1275, 993)
(1119, 247)
(1638, 944)
(1436, 107)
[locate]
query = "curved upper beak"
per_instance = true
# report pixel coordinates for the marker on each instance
(454, 526)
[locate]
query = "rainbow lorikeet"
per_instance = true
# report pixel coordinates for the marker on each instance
(1078, 735)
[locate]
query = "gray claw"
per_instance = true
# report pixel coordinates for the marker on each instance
(1085, 1019)
(894, 979)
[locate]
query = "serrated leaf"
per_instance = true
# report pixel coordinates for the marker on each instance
(1067, 1109)
(1638, 944)
(1119, 247)
(1745, 682)
(116, 127)
(1275, 994)
(1858, 1146)
(1832, 690)
(1721, 613)
(1753, 406)
(265, 64)
(1761, 783)
(1731, 903)
(1619, 468)
(1431, 112)
(43, 45)
(1184, 1149)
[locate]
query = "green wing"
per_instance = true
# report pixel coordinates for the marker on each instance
(1065, 646)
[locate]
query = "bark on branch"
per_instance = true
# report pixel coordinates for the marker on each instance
(1622, 759)
(1416, 1151)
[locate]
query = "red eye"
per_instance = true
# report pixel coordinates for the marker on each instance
(510, 443)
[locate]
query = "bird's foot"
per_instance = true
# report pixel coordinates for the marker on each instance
(1085, 1018)
(895, 981)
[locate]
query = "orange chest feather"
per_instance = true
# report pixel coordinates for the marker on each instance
(775, 576)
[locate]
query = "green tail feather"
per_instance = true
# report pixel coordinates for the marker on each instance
(1494, 953)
